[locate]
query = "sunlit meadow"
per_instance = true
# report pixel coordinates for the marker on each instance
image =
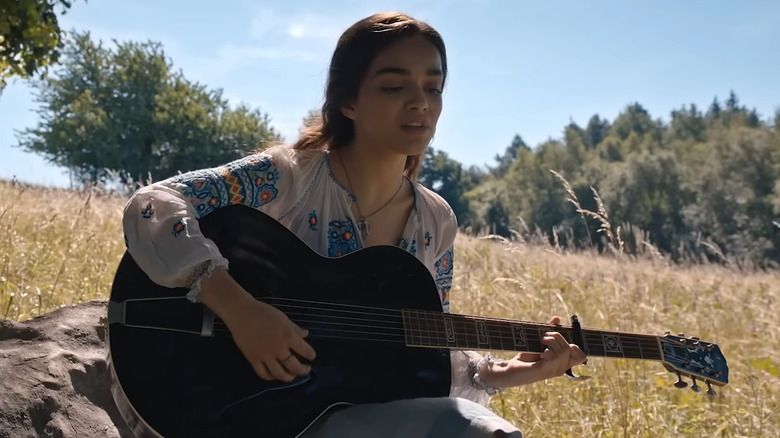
(59, 247)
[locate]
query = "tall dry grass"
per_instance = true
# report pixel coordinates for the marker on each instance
(59, 247)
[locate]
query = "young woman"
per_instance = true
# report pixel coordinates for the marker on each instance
(349, 182)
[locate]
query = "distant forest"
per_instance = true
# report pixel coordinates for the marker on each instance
(702, 186)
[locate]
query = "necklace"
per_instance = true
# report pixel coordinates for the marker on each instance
(363, 225)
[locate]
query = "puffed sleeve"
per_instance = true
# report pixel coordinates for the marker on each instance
(463, 363)
(160, 220)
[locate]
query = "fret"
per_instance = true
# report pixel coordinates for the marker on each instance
(470, 332)
(441, 336)
(519, 341)
(413, 333)
(500, 334)
(426, 318)
(610, 344)
(470, 335)
(482, 333)
(540, 331)
(449, 332)
(463, 332)
(407, 327)
(418, 328)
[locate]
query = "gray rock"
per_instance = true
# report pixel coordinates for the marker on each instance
(54, 378)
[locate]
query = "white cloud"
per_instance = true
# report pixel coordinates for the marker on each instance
(246, 54)
(313, 26)
(264, 22)
(268, 23)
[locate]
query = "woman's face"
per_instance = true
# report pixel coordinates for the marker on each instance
(399, 101)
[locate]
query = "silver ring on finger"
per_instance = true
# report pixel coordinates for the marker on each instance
(286, 361)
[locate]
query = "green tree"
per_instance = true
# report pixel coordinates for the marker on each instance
(687, 123)
(124, 111)
(30, 37)
(715, 109)
(635, 119)
(509, 156)
(646, 192)
(732, 179)
(576, 142)
(596, 131)
(444, 175)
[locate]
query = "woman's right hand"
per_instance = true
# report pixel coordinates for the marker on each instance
(268, 339)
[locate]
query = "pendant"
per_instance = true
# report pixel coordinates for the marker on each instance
(364, 227)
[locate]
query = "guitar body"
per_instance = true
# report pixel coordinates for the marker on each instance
(170, 381)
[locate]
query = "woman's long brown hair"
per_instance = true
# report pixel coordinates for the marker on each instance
(356, 49)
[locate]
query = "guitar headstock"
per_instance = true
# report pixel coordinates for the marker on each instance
(696, 359)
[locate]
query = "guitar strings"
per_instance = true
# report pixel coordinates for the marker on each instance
(436, 330)
(636, 351)
(397, 313)
(393, 330)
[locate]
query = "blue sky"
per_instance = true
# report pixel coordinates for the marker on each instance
(516, 67)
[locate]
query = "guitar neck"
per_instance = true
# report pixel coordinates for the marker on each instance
(464, 332)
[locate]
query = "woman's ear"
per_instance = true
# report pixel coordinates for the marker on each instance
(348, 110)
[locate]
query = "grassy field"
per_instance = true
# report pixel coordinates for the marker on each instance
(60, 247)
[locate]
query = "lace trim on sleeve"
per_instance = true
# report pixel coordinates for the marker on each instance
(200, 273)
(464, 367)
(474, 367)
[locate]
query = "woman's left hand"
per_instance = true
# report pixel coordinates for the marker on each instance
(525, 368)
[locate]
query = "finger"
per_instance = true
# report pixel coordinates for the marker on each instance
(548, 354)
(303, 349)
(553, 343)
(295, 366)
(302, 332)
(529, 357)
(278, 372)
(262, 371)
(577, 355)
(561, 343)
(555, 320)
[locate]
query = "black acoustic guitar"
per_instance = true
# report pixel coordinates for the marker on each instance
(177, 372)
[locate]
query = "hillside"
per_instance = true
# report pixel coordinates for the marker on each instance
(60, 247)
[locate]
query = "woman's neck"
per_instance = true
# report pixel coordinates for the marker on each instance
(373, 177)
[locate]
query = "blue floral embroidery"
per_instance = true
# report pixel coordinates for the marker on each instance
(341, 238)
(427, 240)
(444, 264)
(250, 181)
(444, 285)
(178, 227)
(443, 278)
(404, 243)
(148, 211)
(313, 220)
(413, 248)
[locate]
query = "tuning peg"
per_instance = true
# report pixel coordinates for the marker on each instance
(679, 383)
(695, 387)
(682, 335)
(710, 391)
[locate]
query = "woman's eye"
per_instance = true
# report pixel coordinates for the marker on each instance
(392, 89)
(435, 90)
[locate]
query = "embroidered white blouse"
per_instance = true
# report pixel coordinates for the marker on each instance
(298, 189)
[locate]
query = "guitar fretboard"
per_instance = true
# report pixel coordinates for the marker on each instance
(462, 332)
